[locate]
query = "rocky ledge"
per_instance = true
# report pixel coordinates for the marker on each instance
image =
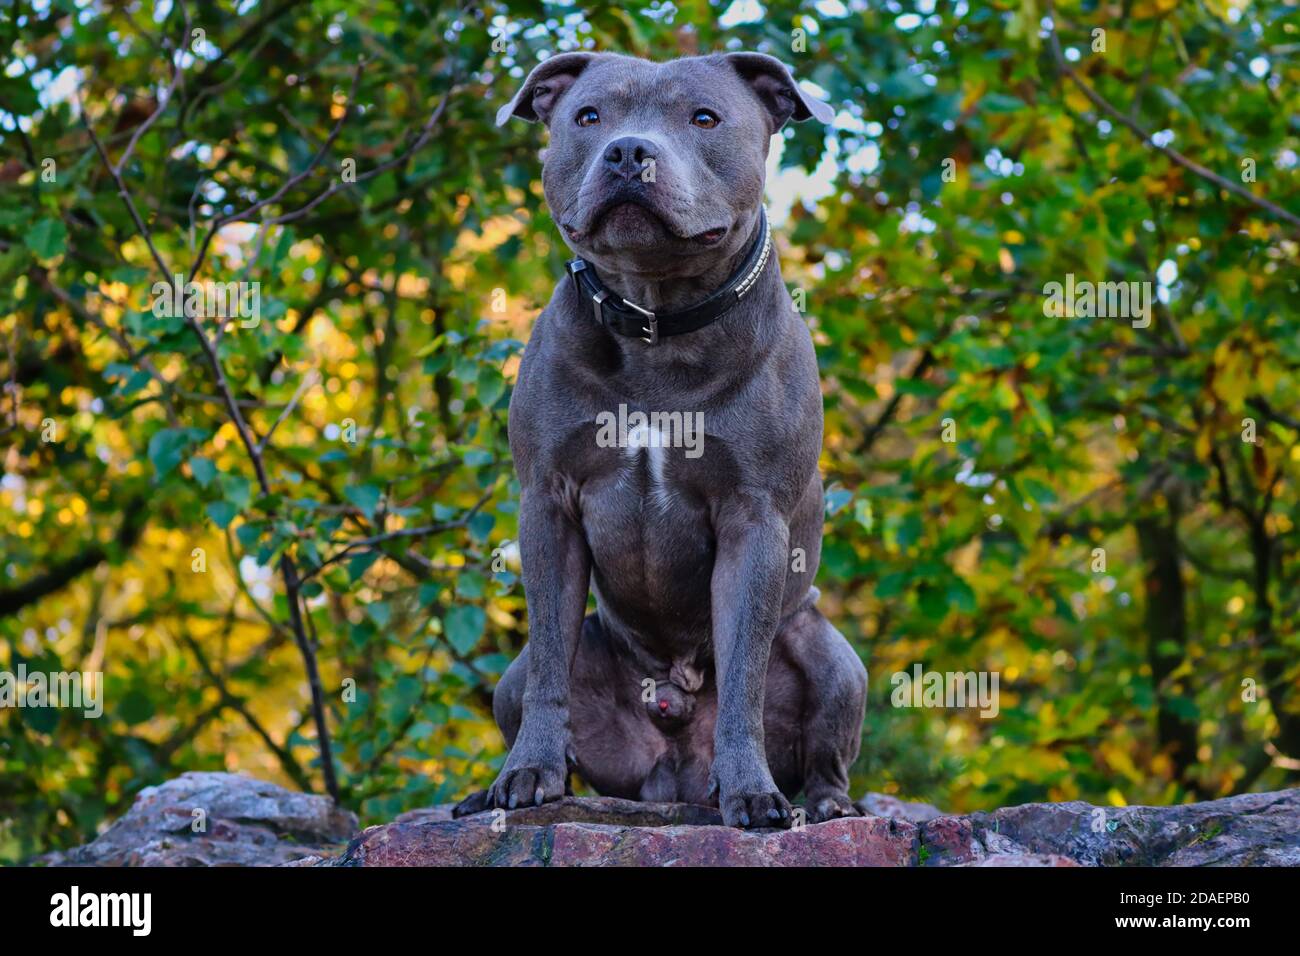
(217, 819)
(248, 822)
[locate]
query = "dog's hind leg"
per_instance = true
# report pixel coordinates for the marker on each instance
(809, 651)
(508, 698)
(508, 709)
(614, 743)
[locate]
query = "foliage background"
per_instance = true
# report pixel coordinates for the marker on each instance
(926, 302)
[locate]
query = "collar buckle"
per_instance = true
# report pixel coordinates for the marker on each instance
(651, 328)
(596, 300)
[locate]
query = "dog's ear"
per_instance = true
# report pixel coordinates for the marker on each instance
(544, 87)
(776, 89)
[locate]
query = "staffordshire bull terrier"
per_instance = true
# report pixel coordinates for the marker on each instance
(706, 672)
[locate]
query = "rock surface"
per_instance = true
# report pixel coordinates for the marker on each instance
(1259, 829)
(604, 831)
(253, 823)
(1253, 829)
(883, 805)
(216, 819)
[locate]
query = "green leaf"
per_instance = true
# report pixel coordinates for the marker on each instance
(359, 564)
(380, 613)
(166, 449)
(464, 626)
(863, 514)
(470, 585)
(933, 602)
(1001, 103)
(836, 498)
(481, 525)
(904, 86)
(43, 720)
(249, 533)
(1040, 492)
(236, 489)
(203, 469)
(493, 663)
(221, 513)
(429, 592)
(491, 386)
(961, 596)
(136, 707)
(365, 497)
(1040, 412)
(47, 239)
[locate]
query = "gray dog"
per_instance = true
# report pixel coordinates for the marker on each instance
(707, 671)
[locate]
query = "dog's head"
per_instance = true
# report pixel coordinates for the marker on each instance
(655, 166)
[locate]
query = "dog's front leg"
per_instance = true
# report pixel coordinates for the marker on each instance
(557, 569)
(748, 581)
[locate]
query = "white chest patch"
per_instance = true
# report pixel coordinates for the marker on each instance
(652, 442)
(640, 434)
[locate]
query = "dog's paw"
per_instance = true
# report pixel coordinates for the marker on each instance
(753, 810)
(527, 785)
(746, 793)
(831, 807)
(476, 802)
(530, 777)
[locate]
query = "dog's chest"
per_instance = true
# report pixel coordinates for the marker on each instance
(645, 512)
(646, 462)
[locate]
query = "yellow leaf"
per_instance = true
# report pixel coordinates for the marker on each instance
(1203, 446)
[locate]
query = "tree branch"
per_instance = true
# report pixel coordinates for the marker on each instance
(1124, 120)
(417, 532)
(13, 600)
(240, 706)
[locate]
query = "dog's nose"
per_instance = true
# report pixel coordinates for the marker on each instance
(629, 155)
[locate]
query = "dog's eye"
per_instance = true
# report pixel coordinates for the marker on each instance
(705, 119)
(587, 117)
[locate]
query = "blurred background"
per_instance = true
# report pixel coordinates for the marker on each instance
(301, 532)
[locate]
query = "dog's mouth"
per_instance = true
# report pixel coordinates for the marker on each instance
(620, 206)
(710, 237)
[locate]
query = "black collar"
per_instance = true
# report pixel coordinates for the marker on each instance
(630, 320)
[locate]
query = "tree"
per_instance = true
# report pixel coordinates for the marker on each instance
(284, 534)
